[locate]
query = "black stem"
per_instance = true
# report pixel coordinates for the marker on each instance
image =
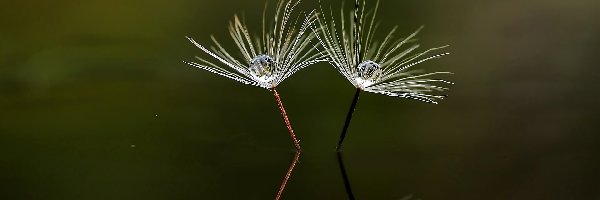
(348, 119)
(344, 176)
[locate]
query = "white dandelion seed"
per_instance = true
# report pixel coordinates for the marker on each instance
(380, 68)
(282, 50)
(377, 67)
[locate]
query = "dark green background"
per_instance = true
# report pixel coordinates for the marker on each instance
(95, 103)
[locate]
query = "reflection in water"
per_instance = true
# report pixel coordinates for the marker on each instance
(347, 185)
(409, 197)
(288, 174)
(344, 176)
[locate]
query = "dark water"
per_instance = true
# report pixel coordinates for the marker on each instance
(95, 103)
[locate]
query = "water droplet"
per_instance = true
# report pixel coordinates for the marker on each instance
(368, 70)
(262, 68)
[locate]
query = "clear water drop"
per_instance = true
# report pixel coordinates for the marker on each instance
(262, 68)
(368, 70)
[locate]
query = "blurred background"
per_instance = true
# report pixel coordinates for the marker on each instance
(95, 103)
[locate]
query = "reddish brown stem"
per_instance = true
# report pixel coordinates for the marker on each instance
(287, 175)
(287, 121)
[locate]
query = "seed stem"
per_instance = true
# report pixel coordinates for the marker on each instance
(348, 119)
(287, 121)
(288, 174)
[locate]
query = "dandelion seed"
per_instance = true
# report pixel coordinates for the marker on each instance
(381, 68)
(278, 53)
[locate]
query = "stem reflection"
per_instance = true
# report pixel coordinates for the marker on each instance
(345, 176)
(287, 175)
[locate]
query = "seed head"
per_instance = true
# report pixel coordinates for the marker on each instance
(377, 67)
(270, 58)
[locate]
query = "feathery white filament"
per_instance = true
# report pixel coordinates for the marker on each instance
(271, 58)
(389, 77)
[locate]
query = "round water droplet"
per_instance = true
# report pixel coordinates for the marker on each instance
(368, 70)
(262, 68)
